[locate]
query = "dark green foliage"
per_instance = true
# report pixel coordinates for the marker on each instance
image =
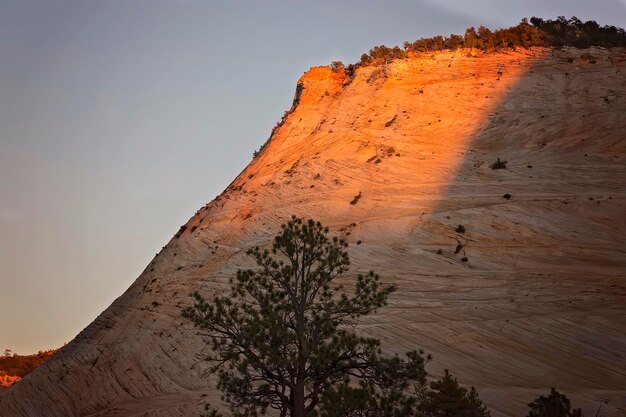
(257, 152)
(382, 54)
(282, 338)
(337, 66)
(296, 97)
(498, 164)
(554, 405)
(350, 71)
(460, 229)
(537, 32)
(180, 231)
(477, 407)
(574, 32)
(294, 105)
(393, 388)
(446, 398)
(471, 40)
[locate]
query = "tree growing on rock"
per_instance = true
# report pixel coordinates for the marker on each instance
(284, 337)
(446, 398)
(553, 405)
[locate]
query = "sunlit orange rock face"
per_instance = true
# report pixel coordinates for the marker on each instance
(538, 301)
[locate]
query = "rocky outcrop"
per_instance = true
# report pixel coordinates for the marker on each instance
(531, 295)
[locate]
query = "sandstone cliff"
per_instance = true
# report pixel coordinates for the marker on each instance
(540, 300)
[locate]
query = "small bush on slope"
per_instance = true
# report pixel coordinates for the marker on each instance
(554, 405)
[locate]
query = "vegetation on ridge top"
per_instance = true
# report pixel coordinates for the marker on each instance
(13, 367)
(528, 33)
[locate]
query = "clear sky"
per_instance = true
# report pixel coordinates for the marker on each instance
(119, 119)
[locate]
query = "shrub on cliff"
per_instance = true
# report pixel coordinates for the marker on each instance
(337, 66)
(383, 54)
(554, 405)
(498, 164)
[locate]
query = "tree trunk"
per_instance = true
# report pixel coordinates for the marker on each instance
(298, 399)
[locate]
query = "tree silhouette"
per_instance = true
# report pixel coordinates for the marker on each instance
(554, 405)
(446, 398)
(284, 337)
(528, 33)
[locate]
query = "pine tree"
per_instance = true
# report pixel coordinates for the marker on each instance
(554, 405)
(284, 337)
(477, 407)
(446, 398)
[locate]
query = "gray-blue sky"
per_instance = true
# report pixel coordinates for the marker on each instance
(119, 119)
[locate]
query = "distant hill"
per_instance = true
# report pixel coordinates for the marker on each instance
(14, 367)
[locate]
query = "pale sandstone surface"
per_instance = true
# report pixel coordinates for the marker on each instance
(541, 300)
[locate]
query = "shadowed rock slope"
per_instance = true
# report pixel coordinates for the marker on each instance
(394, 159)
